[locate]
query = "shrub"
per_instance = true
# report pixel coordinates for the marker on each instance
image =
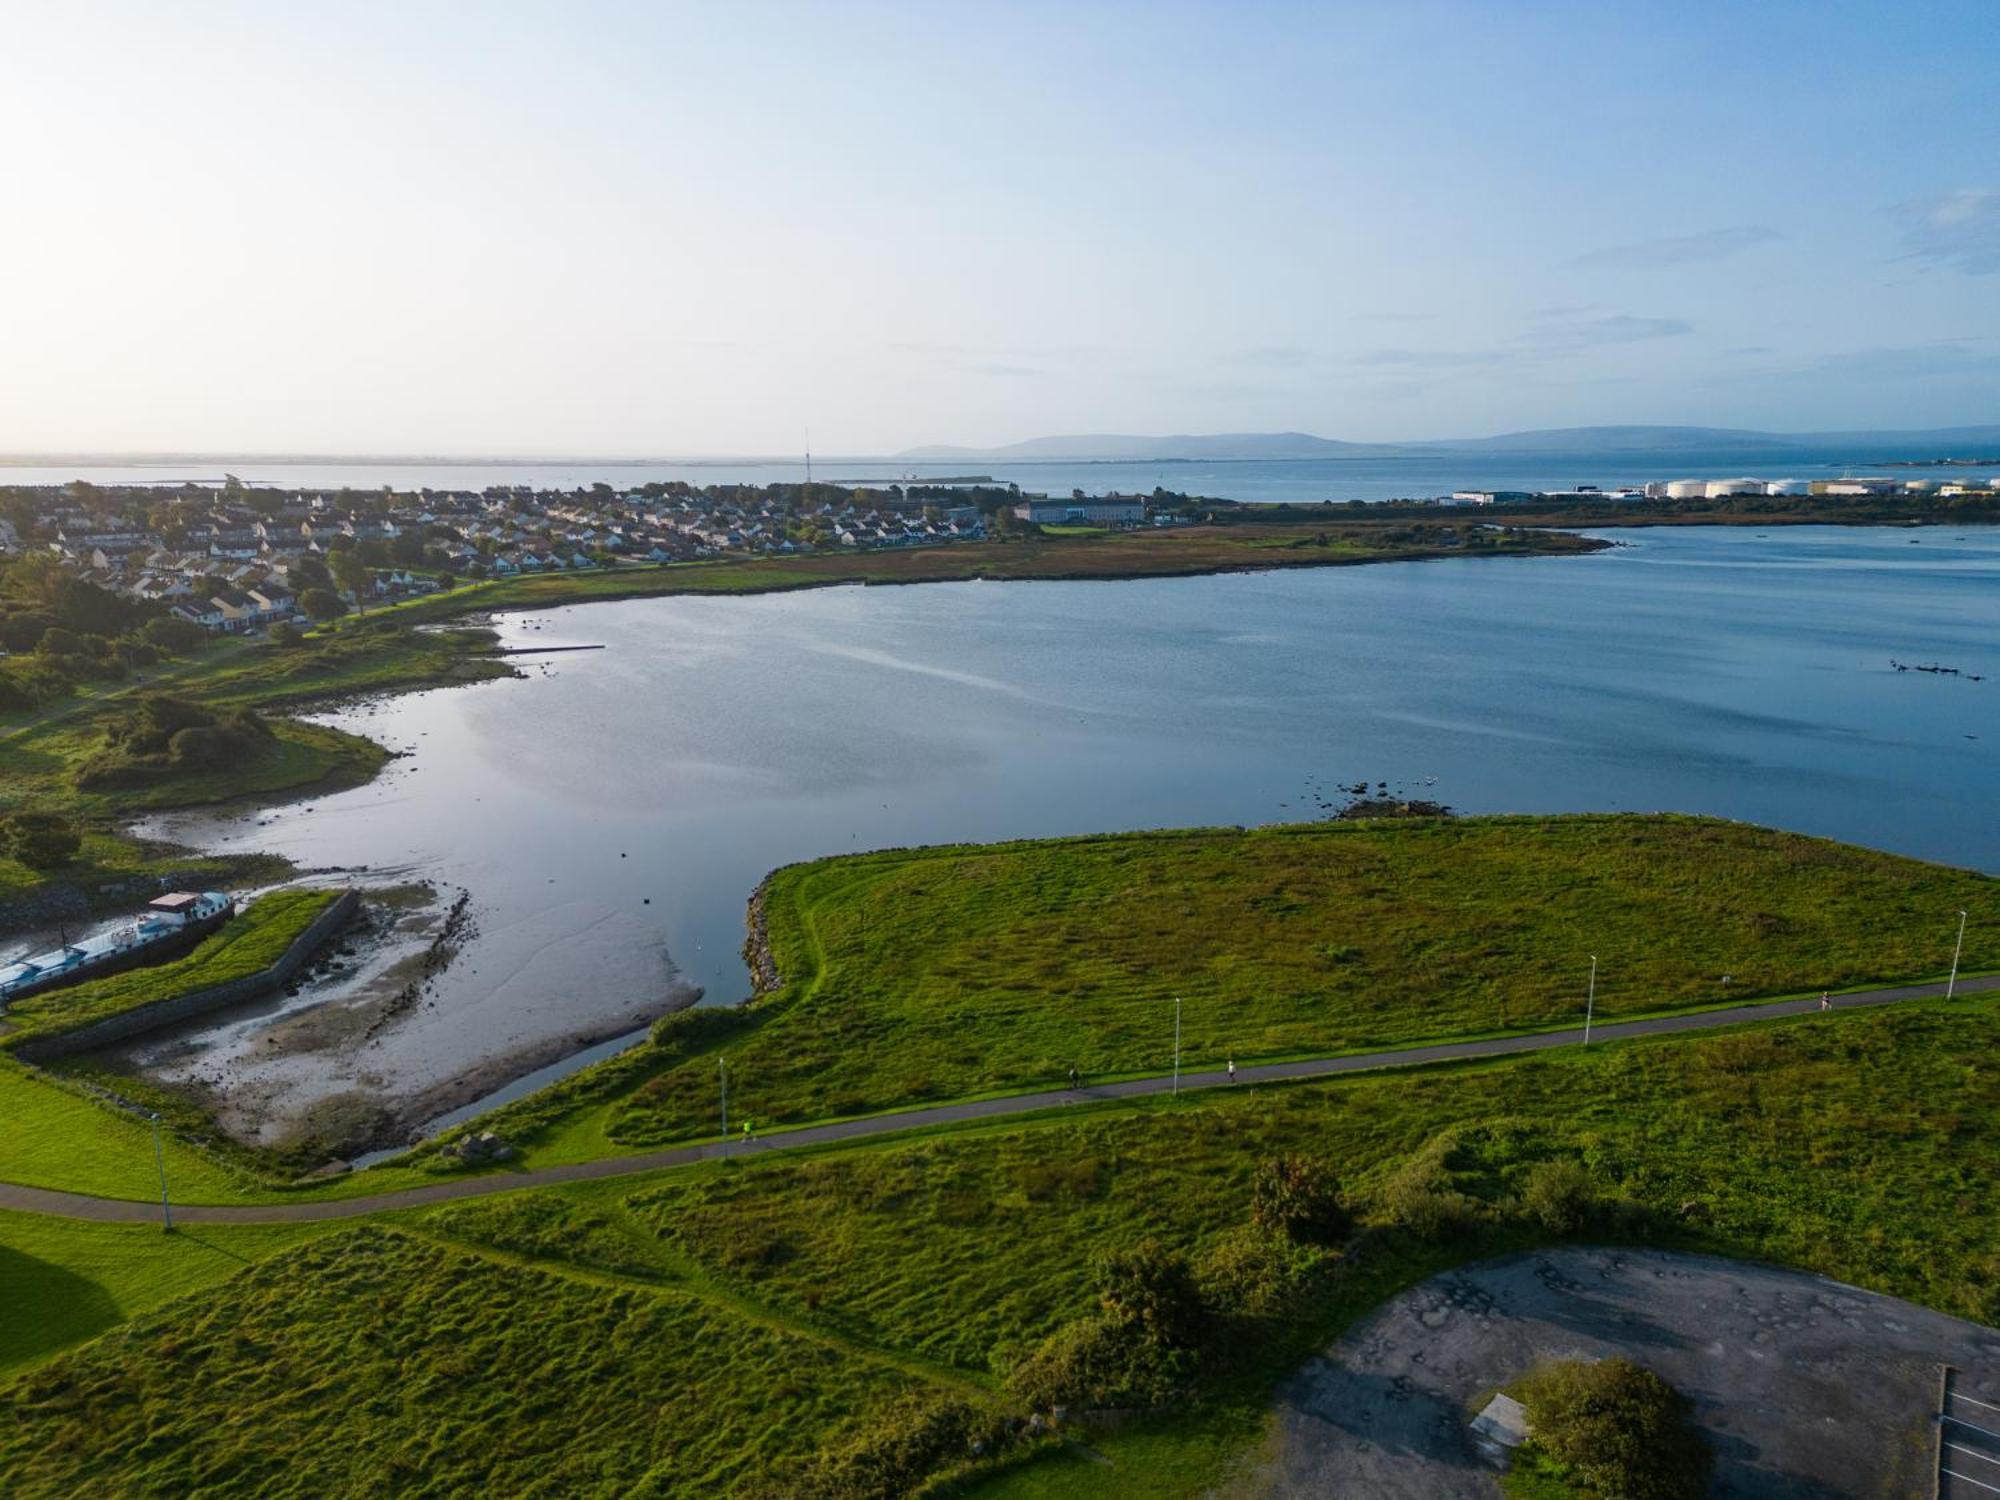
(1152, 1287)
(896, 1452)
(1618, 1429)
(40, 840)
(1298, 1197)
(1256, 1275)
(285, 633)
(1559, 1196)
(1098, 1364)
(56, 641)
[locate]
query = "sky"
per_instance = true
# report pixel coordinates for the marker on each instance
(703, 230)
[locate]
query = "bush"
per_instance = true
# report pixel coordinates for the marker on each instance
(1152, 1288)
(1298, 1197)
(21, 632)
(1096, 1364)
(1559, 1197)
(286, 634)
(56, 641)
(1141, 1351)
(40, 840)
(165, 736)
(1258, 1275)
(1617, 1429)
(895, 1453)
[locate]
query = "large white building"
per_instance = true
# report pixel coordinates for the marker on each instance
(1090, 510)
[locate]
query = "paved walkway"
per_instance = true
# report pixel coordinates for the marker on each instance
(126, 1211)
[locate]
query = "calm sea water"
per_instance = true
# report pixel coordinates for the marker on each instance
(612, 812)
(1309, 481)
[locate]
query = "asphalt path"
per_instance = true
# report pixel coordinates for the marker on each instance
(129, 1211)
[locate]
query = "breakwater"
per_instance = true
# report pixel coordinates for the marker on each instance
(150, 1017)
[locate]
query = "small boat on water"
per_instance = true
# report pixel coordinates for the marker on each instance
(169, 923)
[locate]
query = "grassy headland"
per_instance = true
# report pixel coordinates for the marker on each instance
(918, 975)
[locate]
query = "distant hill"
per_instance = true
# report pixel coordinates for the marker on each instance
(1109, 448)
(1116, 449)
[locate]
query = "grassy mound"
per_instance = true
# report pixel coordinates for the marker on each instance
(373, 1363)
(913, 976)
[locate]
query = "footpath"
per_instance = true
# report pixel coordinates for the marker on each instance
(127, 1211)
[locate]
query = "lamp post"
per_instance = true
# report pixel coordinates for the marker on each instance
(1590, 1004)
(160, 1161)
(723, 1068)
(1952, 983)
(1177, 1046)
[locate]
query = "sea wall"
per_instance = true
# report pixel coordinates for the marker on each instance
(144, 1018)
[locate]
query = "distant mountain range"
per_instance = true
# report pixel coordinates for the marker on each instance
(1115, 448)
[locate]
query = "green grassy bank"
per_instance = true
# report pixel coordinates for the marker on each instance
(920, 975)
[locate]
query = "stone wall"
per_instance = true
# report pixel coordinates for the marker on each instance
(151, 1017)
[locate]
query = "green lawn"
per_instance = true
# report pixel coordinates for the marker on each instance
(55, 1136)
(64, 1281)
(915, 976)
(251, 941)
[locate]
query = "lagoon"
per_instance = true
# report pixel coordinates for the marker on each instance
(611, 811)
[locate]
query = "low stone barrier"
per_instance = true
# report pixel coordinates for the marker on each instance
(158, 1013)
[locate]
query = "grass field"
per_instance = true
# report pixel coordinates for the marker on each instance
(55, 1136)
(921, 975)
(251, 941)
(65, 1281)
(371, 1362)
(705, 1331)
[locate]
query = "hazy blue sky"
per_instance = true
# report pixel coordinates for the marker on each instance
(597, 228)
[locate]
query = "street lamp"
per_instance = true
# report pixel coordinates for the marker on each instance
(723, 1068)
(160, 1161)
(1952, 983)
(1590, 1005)
(1177, 1046)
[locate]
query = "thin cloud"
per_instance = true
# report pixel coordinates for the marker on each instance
(1275, 357)
(1960, 231)
(1551, 334)
(1561, 335)
(1675, 250)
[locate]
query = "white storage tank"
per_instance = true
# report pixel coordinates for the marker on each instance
(1786, 487)
(1687, 489)
(1722, 489)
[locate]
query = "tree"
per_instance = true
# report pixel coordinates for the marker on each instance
(322, 604)
(310, 572)
(1299, 1197)
(40, 840)
(174, 634)
(351, 573)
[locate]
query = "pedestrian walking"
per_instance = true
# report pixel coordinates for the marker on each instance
(1825, 1000)
(1072, 1078)
(1232, 1070)
(748, 1138)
